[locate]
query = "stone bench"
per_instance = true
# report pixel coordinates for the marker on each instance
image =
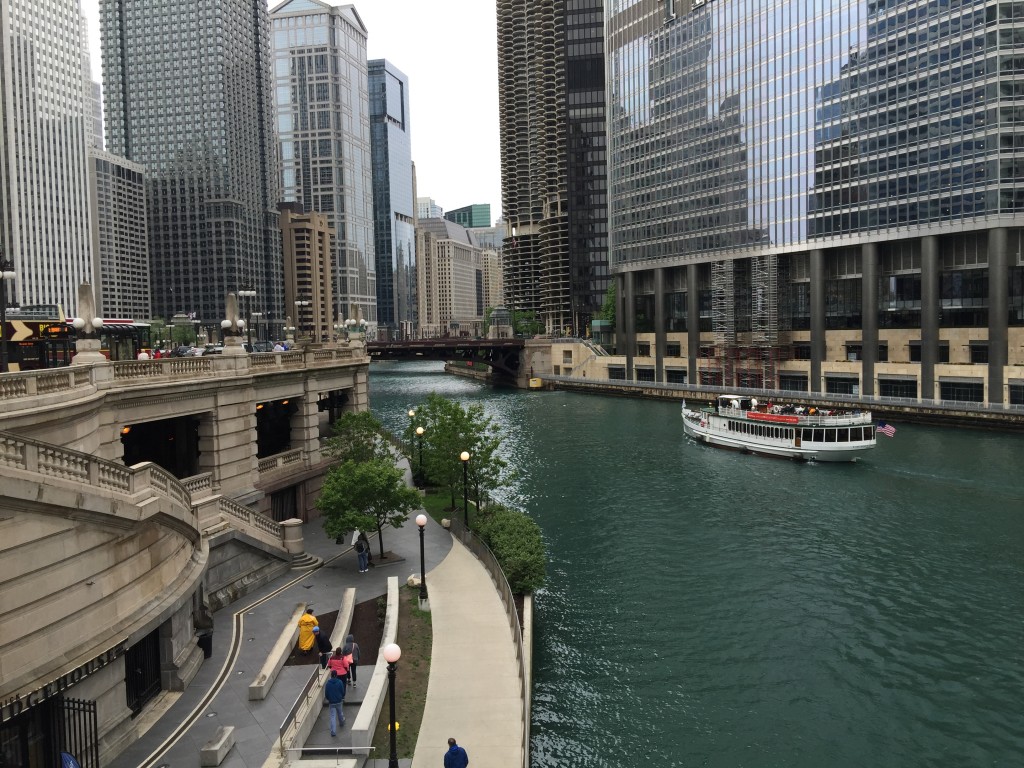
(216, 749)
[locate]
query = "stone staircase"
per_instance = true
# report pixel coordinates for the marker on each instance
(306, 562)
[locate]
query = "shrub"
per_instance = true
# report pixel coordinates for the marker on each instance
(516, 542)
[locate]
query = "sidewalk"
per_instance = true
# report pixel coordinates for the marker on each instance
(473, 693)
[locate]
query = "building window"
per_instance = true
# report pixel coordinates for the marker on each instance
(802, 351)
(616, 373)
(673, 349)
(979, 352)
(711, 378)
(842, 385)
(915, 352)
(675, 375)
(904, 388)
(793, 382)
(706, 351)
(645, 374)
(1017, 394)
(643, 349)
(962, 391)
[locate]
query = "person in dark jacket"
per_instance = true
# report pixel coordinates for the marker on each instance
(334, 692)
(323, 646)
(456, 756)
(351, 649)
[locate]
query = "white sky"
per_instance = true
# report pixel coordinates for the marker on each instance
(448, 51)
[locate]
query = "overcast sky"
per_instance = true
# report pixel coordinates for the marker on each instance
(448, 50)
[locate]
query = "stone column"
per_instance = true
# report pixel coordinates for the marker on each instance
(294, 542)
(998, 313)
(660, 332)
(818, 345)
(692, 323)
(628, 322)
(930, 267)
(869, 317)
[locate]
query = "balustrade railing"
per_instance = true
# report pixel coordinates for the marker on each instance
(281, 460)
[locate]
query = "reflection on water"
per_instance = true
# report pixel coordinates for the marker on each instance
(710, 608)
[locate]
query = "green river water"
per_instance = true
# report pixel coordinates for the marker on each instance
(708, 608)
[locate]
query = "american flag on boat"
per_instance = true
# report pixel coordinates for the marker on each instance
(886, 429)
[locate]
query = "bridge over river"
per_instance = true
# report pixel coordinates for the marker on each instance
(503, 356)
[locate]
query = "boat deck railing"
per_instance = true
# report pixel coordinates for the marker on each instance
(845, 418)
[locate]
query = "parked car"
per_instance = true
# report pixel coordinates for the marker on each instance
(262, 346)
(184, 350)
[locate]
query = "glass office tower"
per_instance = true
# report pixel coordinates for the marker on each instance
(187, 95)
(394, 210)
(323, 124)
(822, 197)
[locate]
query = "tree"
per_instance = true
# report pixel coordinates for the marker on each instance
(357, 437)
(608, 308)
(445, 435)
(486, 467)
(359, 496)
(526, 323)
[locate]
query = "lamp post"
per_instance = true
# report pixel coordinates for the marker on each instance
(464, 457)
(392, 653)
(247, 294)
(412, 423)
(421, 521)
(256, 317)
(7, 274)
(300, 313)
(419, 441)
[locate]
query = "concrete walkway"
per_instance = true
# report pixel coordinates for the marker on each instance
(474, 693)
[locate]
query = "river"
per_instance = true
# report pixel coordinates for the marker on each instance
(708, 608)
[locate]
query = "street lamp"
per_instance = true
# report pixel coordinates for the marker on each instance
(247, 294)
(419, 440)
(392, 653)
(412, 420)
(464, 457)
(255, 317)
(300, 313)
(7, 274)
(421, 521)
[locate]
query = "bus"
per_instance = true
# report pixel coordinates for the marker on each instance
(42, 336)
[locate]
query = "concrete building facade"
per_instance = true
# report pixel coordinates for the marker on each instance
(308, 247)
(451, 277)
(852, 228)
(394, 223)
(427, 208)
(120, 243)
(44, 196)
(323, 124)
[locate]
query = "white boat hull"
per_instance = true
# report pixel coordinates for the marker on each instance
(713, 430)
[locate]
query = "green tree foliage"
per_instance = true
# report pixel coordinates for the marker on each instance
(608, 308)
(516, 542)
(357, 437)
(450, 429)
(526, 323)
(366, 495)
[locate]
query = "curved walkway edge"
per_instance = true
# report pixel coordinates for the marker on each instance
(474, 692)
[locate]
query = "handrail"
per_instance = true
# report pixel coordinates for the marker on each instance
(250, 517)
(300, 700)
(30, 455)
(486, 557)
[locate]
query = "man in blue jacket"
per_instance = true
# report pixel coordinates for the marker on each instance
(456, 756)
(334, 692)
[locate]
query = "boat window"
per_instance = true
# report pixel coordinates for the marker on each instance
(868, 433)
(843, 435)
(805, 435)
(819, 435)
(830, 435)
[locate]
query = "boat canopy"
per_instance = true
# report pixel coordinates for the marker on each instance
(737, 401)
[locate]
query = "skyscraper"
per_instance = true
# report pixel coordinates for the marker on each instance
(553, 176)
(324, 129)
(393, 207)
(470, 216)
(187, 95)
(44, 195)
(854, 227)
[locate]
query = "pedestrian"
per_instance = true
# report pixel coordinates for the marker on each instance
(323, 645)
(362, 554)
(338, 663)
(456, 756)
(334, 692)
(306, 637)
(369, 554)
(351, 651)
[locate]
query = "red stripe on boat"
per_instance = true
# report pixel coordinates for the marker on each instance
(776, 417)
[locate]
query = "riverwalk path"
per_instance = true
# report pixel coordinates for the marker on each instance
(473, 694)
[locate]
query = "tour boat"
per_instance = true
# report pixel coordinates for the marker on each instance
(808, 434)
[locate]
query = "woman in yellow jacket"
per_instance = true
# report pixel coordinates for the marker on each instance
(306, 638)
